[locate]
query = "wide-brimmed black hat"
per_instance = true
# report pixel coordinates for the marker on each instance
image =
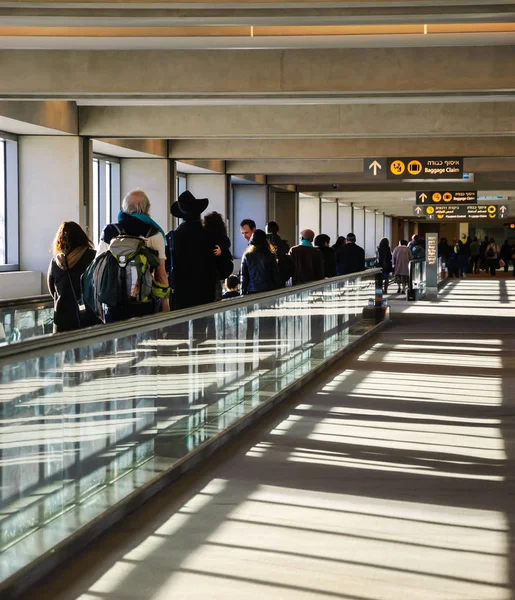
(187, 206)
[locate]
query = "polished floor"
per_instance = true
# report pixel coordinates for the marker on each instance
(389, 478)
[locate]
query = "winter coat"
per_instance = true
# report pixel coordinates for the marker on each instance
(329, 256)
(384, 259)
(308, 264)
(66, 317)
(259, 272)
(352, 259)
(193, 273)
(401, 258)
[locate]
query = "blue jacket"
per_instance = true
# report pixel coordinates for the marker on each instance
(259, 272)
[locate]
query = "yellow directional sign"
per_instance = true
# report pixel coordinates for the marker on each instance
(430, 210)
(414, 167)
(492, 209)
(397, 167)
(436, 197)
(447, 197)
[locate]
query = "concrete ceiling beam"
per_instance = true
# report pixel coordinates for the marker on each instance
(346, 121)
(155, 74)
(330, 148)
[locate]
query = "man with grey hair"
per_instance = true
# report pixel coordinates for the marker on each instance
(308, 264)
(134, 220)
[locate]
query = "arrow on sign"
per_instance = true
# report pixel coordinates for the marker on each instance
(418, 210)
(423, 197)
(375, 165)
(503, 209)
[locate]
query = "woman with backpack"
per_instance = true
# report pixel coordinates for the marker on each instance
(492, 257)
(72, 254)
(214, 224)
(259, 269)
(384, 261)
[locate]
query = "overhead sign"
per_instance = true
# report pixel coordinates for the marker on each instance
(447, 197)
(453, 212)
(414, 168)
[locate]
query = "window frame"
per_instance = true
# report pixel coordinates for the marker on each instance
(12, 217)
(108, 208)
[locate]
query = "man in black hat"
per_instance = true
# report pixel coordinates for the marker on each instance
(192, 260)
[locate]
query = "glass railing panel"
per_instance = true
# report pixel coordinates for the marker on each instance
(83, 427)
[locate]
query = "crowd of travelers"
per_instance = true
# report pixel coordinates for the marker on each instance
(139, 270)
(469, 255)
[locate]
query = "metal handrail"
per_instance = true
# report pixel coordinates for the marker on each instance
(28, 302)
(35, 347)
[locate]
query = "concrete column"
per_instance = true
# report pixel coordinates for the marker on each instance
(282, 208)
(50, 188)
(379, 227)
(309, 214)
(464, 228)
(249, 202)
(387, 229)
(344, 219)
(359, 225)
(370, 233)
(330, 219)
(213, 187)
(152, 175)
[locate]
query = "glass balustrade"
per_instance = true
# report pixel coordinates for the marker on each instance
(89, 418)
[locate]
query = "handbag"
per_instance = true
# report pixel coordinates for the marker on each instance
(501, 263)
(85, 316)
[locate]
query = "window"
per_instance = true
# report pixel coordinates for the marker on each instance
(106, 193)
(9, 251)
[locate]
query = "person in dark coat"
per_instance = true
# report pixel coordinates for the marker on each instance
(505, 255)
(72, 254)
(322, 242)
(281, 251)
(308, 263)
(337, 247)
(352, 256)
(259, 269)
(192, 268)
(214, 223)
(384, 261)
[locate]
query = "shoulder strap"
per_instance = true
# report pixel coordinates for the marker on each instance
(77, 314)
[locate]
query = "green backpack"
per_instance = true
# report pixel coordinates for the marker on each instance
(121, 276)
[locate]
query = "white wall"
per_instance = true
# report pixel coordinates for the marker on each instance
(359, 226)
(330, 220)
(213, 187)
(370, 234)
(344, 220)
(50, 193)
(18, 284)
(388, 228)
(249, 202)
(379, 228)
(309, 214)
(152, 175)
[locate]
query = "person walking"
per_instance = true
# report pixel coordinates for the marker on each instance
(337, 247)
(352, 259)
(492, 257)
(384, 261)
(213, 223)
(505, 254)
(308, 263)
(475, 255)
(259, 269)
(322, 242)
(282, 248)
(72, 254)
(401, 258)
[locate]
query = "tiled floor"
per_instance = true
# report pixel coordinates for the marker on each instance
(390, 478)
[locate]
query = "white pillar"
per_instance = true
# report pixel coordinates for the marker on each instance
(370, 233)
(309, 214)
(388, 228)
(249, 202)
(210, 186)
(379, 233)
(329, 214)
(152, 175)
(50, 192)
(359, 226)
(344, 219)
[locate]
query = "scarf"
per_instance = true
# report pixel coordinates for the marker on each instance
(71, 259)
(145, 219)
(305, 243)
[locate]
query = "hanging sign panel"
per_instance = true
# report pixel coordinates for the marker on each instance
(465, 212)
(440, 167)
(446, 197)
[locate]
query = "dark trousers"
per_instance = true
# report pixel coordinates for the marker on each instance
(475, 263)
(492, 266)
